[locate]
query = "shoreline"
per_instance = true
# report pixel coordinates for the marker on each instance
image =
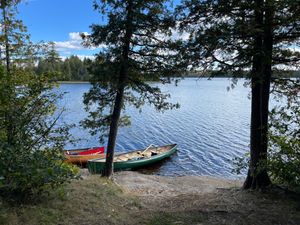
(167, 186)
(73, 82)
(133, 198)
(141, 184)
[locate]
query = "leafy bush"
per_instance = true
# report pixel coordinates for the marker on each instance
(28, 174)
(283, 164)
(284, 150)
(31, 142)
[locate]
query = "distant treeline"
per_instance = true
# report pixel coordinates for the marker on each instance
(243, 74)
(75, 69)
(70, 69)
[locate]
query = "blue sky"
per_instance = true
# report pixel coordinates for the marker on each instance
(60, 21)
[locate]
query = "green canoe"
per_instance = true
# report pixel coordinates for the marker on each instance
(134, 159)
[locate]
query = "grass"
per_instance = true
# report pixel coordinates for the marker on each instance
(94, 200)
(179, 218)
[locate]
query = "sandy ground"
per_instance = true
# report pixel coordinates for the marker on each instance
(164, 186)
(138, 199)
(208, 200)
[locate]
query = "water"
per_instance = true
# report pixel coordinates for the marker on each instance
(211, 127)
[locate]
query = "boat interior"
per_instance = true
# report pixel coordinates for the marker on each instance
(141, 154)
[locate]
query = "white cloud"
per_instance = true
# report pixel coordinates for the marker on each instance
(76, 36)
(74, 46)
(79, 56)
(74, 43)
(86, 56)
(295, 48)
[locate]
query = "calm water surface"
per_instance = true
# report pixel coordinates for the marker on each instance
(211, 127)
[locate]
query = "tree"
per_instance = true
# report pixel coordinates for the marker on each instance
(136, 49)
(12, 37)
(31, 144)
(237, 36)
(284, 151)
(78, 69)
(52, 58)
(50, 62)
(72, 68)
(66, 70)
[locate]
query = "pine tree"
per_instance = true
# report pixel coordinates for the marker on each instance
(52, 58)
(66, 70)
(13, 39)
(136, 49)
(237, 36)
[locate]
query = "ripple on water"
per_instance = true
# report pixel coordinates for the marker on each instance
(210, 128)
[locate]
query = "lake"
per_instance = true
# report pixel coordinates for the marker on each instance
(211, 127)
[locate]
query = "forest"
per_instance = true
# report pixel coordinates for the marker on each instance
(70, 69)
(75, 69)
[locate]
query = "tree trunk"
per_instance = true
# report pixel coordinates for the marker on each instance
(8, 117)
(257, 177)
(118, 105)
(7, 53)
(113, 130)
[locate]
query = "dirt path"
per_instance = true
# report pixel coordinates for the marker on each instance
(138, 199)
(205, 200)
(165, 187)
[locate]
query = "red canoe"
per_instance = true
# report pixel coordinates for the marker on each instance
(81, 156)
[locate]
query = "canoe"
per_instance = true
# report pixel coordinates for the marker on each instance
(134, 159)
(81, 156)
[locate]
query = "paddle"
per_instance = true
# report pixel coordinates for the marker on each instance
(147, 148)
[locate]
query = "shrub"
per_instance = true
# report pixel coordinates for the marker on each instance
(284, 150)
(31, 141)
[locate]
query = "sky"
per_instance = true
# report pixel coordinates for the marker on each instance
(60, 21)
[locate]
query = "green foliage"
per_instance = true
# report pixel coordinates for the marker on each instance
(31, 142)
(241, 164)
(29, 174)
(136, 47)
(283, 162)
(71, 69)
(221, 33)
(237, 36)
(284, 150)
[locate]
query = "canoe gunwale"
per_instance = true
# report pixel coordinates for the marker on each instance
(96, 166)
(78, 149)
(81, 160)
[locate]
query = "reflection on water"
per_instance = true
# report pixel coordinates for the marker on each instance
(211, 127)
